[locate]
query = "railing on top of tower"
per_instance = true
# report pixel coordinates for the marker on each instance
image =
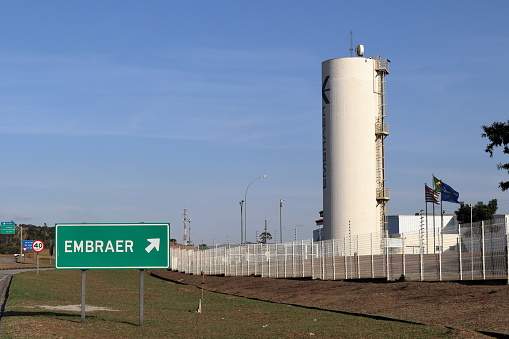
(382, 64)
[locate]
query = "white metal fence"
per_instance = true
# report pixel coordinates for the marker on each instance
(467, 252)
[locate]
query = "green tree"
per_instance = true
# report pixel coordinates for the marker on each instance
(498, 135)
(480, 211)
(265, 237)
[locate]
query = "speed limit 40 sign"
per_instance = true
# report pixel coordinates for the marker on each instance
(38, 246)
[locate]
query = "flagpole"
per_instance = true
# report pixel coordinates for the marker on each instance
(427, 243)
(434, 232)
(441, 237)
(441, 224)
(434, 228)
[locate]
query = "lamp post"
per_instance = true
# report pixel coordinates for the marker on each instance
(189, 222)
(245, 207)
(241, 203)
(281, 221)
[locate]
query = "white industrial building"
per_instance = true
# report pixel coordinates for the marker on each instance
(412, 231)
(418, 230)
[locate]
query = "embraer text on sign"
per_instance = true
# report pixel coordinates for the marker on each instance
(103, 246)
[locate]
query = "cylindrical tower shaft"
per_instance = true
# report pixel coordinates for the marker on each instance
(351, 147)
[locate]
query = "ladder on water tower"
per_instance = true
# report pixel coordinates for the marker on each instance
(381, 131)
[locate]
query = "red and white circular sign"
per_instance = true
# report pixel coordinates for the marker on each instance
(38, 246)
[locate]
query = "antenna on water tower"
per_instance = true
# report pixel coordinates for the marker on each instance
(351, 44)
(359, 50)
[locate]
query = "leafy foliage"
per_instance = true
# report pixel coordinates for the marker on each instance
(265, 237)
(498, 134)
(480, 211)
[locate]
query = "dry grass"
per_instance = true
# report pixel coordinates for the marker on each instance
(169, 312)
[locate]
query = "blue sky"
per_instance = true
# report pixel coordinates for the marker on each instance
(133, 111)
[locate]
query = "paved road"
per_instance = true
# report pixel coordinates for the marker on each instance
(4, 259)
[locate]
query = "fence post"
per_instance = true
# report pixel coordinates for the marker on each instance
(302, 255)
(245, 259)
(441, 245)
(333, 262)
(387, 273)
(312, 260)
(358, 259)
(236, 251)
(267, 250)
(372, 257)
(483, 253)
(344, 257)
(277, 261)
(506, 251)
(322, 261)
(225, 260)
(293, 259)
(241, 259)
(421, 255)
(262, 259)
(403, 260)
(459, 251)
(285, 248)
(471, 248)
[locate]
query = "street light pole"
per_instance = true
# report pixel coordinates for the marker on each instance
(241, 228)
(245, 206)
(281, 221)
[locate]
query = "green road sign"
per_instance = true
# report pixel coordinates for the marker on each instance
(7, 227)
(105, 246)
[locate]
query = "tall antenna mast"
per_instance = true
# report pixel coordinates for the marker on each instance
(185, 226)
(351, 44)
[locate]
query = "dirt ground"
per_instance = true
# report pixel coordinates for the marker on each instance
(481, 307)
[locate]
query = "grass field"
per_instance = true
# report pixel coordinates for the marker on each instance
(30, 260)
(170, 312)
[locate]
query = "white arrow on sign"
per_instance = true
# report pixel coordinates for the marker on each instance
(154, 243)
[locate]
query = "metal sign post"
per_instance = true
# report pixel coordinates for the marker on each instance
(37, 246)
(142, 294)
(83, 293)
(112, 246)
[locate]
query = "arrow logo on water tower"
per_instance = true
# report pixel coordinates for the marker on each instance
(324, 84)
(154, 243)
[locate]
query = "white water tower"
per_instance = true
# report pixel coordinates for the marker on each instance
(353, 133)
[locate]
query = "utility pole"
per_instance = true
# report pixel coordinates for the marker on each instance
(281, 221)
(185, 226)
(265, 235)
(241, 224)
(21, 242)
